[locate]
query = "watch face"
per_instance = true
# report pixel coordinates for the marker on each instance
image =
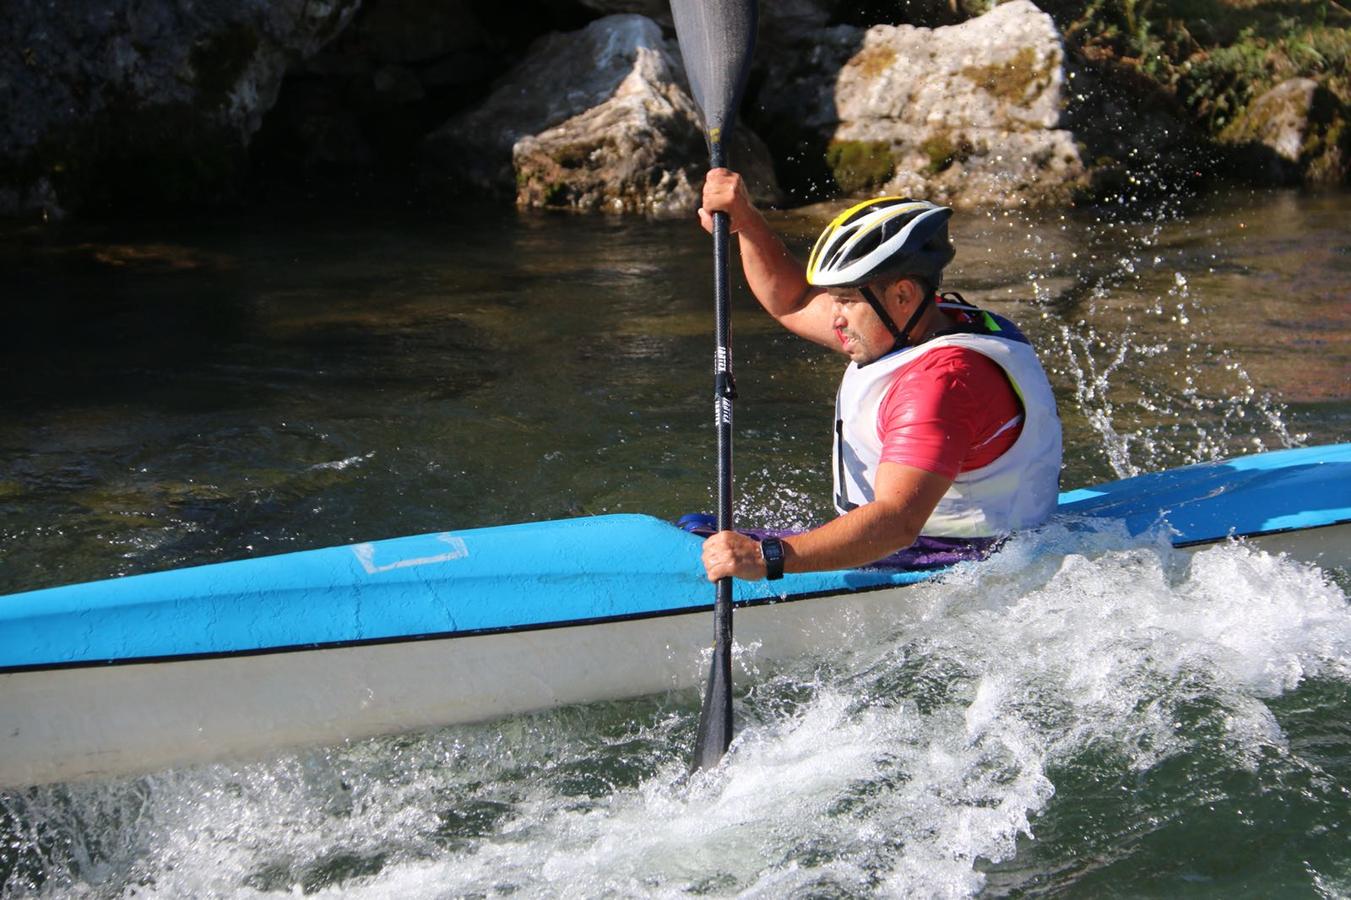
(772, 551)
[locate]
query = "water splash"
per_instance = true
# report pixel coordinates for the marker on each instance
(939, 750)
(1132, 342)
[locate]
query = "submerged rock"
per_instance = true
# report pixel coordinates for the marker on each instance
(966, 114)
(147, 100)
(596, 119)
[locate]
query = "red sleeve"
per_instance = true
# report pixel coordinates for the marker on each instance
(950, 411)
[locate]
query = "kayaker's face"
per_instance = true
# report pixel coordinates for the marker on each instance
(861, 334)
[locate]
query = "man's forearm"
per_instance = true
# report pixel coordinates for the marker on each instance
(906, 497)
(860, 536)
(775, 277)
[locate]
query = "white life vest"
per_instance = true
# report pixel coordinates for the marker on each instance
(1017, 490)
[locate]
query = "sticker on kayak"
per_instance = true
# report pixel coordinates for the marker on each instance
(365, 554)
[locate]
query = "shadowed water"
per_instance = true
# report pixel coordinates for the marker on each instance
(1086, 714)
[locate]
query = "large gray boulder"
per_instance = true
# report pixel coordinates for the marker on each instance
(597, 119)
(967, 114)
(162, 96)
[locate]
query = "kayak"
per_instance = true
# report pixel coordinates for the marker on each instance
(238, 659)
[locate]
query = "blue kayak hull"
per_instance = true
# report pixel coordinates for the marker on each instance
(240, 657)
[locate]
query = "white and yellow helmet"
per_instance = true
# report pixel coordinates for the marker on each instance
(885, 236)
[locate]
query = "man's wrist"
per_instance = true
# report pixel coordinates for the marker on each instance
(772, 552)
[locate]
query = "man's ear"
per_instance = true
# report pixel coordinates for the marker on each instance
(906, 292)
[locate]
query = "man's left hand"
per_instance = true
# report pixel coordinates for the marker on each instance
(729, 553)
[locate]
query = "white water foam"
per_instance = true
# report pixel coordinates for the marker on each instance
(894, 767)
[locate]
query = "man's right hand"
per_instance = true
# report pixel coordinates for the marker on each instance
(725, 191)
(775, 278)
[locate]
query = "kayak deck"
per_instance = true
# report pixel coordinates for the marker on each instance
(1248, 496)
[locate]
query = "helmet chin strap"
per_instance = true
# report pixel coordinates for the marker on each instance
(902, 335)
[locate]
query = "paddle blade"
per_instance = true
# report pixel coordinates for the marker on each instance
(715, 718)
(716, 40)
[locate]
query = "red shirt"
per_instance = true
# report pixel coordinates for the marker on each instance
(950, 411)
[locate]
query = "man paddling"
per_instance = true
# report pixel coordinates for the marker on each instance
(946, 433)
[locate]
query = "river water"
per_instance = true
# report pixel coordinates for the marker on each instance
(1084, 715)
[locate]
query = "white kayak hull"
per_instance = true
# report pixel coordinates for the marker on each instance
(82, 723)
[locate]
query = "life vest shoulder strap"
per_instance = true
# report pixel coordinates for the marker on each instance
(977, 320)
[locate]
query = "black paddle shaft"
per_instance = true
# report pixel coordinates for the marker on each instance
(716, 39)
(715, 718)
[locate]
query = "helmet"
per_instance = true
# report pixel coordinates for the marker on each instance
(881, 237)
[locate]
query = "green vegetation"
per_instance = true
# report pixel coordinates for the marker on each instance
(1215, 56)
(860, 165)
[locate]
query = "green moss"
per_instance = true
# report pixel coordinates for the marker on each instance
(943, 151)
(1012, 81)
(556, 194)
(860, 165)
(873, 61)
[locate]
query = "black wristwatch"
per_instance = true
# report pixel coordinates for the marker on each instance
(772, 551)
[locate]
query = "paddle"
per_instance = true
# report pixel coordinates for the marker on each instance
(716, 39)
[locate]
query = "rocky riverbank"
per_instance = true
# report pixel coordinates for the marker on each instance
(583, 104)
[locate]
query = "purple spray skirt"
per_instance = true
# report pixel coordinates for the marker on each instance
(924, 553)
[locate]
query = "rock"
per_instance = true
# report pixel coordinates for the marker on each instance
(400, 68)
(1294, 132)
(457, 71)
(1278, 119)
(407, 32)
(657, 10)
(794, 109)
(966, 114)
(142, 101)
(631, 155)
(397, 84)
(597, 119)
(777, 17)
(616, 157)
